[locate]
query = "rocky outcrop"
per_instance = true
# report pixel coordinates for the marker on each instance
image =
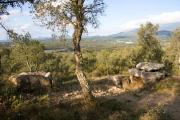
(148, 66)
(28, 81)
(134, 72)
(151, 76)
(119, 81)
(149, 72)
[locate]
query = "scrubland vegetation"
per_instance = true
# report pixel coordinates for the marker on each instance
(82, 88)
(150, 102)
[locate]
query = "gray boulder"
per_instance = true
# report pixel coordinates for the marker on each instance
(145, 76)
(151, 76)
(134, 72)
(119, 81)
(148, 66)
(28, 81)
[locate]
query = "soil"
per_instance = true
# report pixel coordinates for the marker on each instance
(136, 95)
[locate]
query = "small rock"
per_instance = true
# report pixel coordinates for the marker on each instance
(66, 95)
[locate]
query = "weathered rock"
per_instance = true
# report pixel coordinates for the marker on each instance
(133, 72)
(119, 81)
(146, 76)
(28, 81)
(116, 79)
(148, 66)
(44, 74)
(151, 76)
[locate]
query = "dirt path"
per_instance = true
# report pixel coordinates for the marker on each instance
(166, 94)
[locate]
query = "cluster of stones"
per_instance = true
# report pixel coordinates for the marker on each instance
(149, 72)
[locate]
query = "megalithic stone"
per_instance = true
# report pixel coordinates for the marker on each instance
(148, 66)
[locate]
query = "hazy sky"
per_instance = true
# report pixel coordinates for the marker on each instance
(120, 15)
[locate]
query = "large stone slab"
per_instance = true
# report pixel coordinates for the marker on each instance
(151, 76)
(28, 81)
(148, 66)
(146, 76)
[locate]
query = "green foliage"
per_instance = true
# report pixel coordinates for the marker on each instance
(27, 53)
(173, 51)
(4, 60)
(107, 62)
(61, 66)
(89, 61)
(95, 63)
(102, 65)
(150, 46)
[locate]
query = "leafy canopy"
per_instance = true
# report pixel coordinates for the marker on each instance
(60, 14)
(150, 48)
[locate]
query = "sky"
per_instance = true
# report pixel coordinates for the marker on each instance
(119, 16)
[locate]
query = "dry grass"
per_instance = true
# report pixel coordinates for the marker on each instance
(158, 101)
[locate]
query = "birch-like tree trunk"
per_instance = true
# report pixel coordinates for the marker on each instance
(86, 88)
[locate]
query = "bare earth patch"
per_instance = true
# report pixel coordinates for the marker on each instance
(166, 96)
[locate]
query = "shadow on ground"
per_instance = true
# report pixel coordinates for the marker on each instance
(156, 101)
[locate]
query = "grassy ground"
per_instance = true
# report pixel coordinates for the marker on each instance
(156, 101)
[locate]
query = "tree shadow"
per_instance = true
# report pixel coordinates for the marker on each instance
(156, 100)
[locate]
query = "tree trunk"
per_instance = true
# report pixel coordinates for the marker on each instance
(0, 65)
(86, 89)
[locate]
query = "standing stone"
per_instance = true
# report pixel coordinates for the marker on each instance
(133, 72)
(119, 81)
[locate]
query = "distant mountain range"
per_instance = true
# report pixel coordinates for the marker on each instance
(164, 33)
(128, 37)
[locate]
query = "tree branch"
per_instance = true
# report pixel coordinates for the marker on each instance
(14, 1)
(4, 27)
(8, 2)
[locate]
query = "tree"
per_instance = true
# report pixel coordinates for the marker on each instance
(150, 48)
(4, 59)
(27, 52)
(5, 3)
(3, 10)
(102, 63)
(72, 13)
(173, 51)
(175, 46)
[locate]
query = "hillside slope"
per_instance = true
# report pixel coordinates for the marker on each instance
(158, 101)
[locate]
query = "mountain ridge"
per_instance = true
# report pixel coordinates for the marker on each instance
(164, 33)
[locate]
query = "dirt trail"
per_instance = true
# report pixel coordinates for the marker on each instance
(167, 97)
(165, 93)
